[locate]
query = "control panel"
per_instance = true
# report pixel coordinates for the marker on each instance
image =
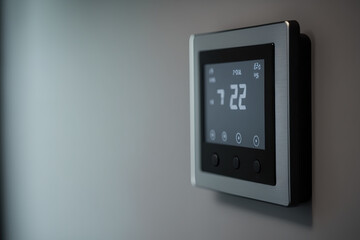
(250, 92)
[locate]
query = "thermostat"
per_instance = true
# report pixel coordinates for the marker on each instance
(250, 95)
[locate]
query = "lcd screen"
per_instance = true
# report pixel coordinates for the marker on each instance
(235, 103)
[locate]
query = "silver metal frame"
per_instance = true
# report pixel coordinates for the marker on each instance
(278, 34)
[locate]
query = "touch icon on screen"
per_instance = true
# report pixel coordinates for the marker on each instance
(256, 141)
(238, 138)
(224, 136)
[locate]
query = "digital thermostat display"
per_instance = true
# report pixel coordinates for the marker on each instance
(250, 102)
(234, 103)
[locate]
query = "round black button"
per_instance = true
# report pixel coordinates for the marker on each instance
(256, 166)
(215, 159)
(236, 162)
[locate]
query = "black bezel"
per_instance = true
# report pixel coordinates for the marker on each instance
(247, 156)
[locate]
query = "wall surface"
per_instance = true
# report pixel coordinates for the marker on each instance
(96, 122)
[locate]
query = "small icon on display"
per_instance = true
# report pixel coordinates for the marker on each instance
(257, 66)
(238, 138)
(224, 136)
(212, 134)
(256, 75)
(212, 101)
(212, 80)
(256, 141)
(211, 71)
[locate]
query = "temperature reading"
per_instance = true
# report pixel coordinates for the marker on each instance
(240, 97)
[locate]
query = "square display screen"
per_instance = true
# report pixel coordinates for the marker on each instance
(235, 103)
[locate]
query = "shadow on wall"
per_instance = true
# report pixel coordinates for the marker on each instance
(300, 214)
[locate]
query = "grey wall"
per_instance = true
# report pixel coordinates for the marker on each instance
(96, 123)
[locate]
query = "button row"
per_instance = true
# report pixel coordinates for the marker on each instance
(238, 138)
(215, 160)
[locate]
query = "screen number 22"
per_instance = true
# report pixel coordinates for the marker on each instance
(240, 97)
